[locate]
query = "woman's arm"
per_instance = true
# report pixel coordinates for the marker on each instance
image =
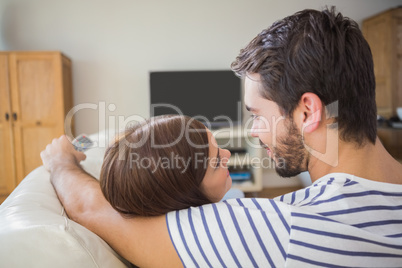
(143, 241)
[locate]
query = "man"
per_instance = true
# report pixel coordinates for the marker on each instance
(310, 85)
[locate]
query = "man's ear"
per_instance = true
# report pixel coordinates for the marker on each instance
(308, 112)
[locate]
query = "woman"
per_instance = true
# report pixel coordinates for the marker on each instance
(166, 163)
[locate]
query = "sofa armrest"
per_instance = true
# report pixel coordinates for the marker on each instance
(36, 232)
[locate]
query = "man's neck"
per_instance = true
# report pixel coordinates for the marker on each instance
(369, 161)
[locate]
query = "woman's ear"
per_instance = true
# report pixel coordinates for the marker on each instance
(308, 112)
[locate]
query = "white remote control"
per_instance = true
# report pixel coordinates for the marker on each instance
(82, 143)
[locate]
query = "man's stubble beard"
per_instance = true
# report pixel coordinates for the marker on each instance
(291, 157)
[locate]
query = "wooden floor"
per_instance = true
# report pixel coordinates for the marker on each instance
(272, 192)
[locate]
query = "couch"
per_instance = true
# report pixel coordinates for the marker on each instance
(36, 232)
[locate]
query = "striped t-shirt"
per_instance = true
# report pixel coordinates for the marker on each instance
(339, 221)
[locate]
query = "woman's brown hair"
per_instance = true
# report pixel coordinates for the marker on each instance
(157, 167)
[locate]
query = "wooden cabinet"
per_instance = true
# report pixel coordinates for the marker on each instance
(383, 32)
(35, 96)
(391, 138)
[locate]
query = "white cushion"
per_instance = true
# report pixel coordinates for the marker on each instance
(35, 231)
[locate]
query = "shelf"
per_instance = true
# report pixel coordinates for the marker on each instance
(246, 156)
(248, 186)
(239, 160)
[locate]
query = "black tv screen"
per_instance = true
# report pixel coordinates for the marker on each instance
(212, 97)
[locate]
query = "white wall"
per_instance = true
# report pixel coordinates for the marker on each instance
(114, 44)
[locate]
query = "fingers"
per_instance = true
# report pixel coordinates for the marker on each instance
(68, 138)
(60, 151)
(57, 143)
(63, 142)
(43, 156)
(63, 139)
(80, 156)
(66, 141)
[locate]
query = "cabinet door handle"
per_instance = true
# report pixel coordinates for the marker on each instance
(7, 117)
(15, 116)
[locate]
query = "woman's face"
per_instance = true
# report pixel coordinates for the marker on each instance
(217, 180)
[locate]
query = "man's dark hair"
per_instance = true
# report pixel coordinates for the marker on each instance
(319, 52)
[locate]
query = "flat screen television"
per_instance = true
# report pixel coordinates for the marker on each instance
(212, 97)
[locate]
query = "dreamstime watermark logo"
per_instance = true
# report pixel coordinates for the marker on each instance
(234, 135)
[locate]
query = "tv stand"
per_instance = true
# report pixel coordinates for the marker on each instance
(246, 162)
